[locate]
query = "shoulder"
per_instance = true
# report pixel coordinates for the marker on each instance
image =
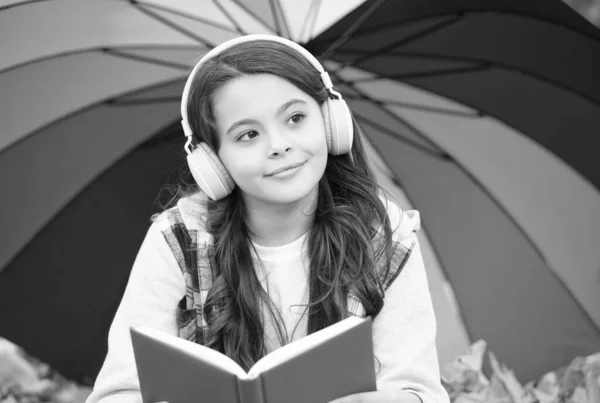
(183, 228)
(189, 214)
(403, 223)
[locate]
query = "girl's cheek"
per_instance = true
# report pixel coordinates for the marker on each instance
(246, 163)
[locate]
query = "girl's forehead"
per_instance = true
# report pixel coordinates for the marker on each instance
(253, 96)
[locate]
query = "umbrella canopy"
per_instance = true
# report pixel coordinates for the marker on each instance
(481, 114)
(512, 207)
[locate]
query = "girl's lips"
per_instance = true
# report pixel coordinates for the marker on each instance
(285, 168)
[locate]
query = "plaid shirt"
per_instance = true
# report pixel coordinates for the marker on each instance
(191, 245)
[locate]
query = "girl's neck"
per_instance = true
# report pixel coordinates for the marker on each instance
(276, 225)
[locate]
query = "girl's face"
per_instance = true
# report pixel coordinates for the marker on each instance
(272, 138)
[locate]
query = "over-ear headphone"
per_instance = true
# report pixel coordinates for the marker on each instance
(206, 167)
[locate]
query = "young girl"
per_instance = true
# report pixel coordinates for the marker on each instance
(287, 233)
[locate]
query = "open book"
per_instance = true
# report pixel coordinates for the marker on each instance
(331, 363)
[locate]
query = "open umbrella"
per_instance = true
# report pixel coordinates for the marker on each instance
(481, 114)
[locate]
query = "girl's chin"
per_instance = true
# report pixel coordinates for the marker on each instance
(286, 198)
(282, 195)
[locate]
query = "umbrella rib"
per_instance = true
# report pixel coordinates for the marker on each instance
(251, 13)
(382, 28)
(444, 155)
(24, 3)
(80, 110)
(482, 63)
(400, 138)
(458, 310)
(391, 25)
(281, 25)
(401, 42)
(505, 212)
(144, 59)
(88, 50)
(396, 181)
(170, 24)
(463, 59)
(493, 199)
(555, 23)
(474, 60)
(513, 221)
(229, 16)
(148, 101)
(311, 19)
(314, 18)
(506, 67)
(144, 89)
(352, 29)
(430, 73)
(392, 115)
(408, 105)
(185, 15)
(277, 27)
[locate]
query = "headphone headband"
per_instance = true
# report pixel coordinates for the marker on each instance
(233, 42)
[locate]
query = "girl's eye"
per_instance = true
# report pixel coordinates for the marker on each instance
(297, 118)
(248, 135)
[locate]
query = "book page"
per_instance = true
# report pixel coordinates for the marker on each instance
(306, 343)
(202, 353)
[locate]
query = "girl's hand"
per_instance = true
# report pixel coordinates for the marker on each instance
(380, 396)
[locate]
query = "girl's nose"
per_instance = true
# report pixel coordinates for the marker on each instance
(279, 144)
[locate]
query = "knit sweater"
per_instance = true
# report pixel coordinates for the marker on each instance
(403, 332)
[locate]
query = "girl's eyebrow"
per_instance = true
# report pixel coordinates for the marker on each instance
(280, 110)
(289, 103)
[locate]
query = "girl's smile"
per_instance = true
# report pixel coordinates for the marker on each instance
(286, 171)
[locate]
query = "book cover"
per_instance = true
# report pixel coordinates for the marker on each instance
(331, 363)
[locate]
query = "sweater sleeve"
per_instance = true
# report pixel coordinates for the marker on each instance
(404, 332)
(153, 291)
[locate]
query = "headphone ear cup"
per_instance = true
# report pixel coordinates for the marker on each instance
(209, 172)
(339, 123)
(327, 121)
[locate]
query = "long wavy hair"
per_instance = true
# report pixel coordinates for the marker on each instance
(349, 242)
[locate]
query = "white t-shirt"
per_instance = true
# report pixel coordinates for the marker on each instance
(284, 275)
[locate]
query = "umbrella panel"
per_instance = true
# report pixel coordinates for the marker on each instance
(59, 295)
(500, 281)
